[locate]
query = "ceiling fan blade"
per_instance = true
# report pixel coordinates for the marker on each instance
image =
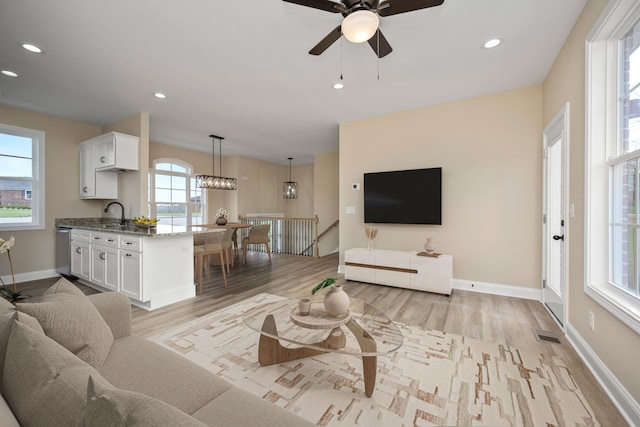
(394, 7)
(326, 5)
(329, 39)
(385, 47)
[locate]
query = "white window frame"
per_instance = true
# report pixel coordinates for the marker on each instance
(601, 136)
(189, 176)
(37, 178)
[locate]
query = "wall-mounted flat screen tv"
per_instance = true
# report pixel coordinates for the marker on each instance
(403, 197)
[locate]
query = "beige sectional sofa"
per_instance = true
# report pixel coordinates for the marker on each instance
(69, 359)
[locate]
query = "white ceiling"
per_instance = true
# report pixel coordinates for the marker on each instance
(240, 69)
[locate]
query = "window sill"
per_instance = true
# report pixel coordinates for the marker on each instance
(623, 306)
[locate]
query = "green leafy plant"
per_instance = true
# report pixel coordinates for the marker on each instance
(326, 282)
(11, 295)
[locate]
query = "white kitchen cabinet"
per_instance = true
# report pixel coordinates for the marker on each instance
(81, 254)
(115, 261)
(105, 267)
(95, 185)
(400, 269)
(131, 274)
(115, 151)
(131, 267)
(81, 260)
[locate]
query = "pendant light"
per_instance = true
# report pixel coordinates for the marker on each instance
(212, 181)
(290, 188)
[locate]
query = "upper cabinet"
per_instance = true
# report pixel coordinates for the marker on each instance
(116, 151)
(100, 158)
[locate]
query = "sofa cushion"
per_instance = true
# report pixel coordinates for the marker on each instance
(44, 384)
(69, 318)
(111, 407)
(7, 419)
(238, 407)
(6, 321)
(6, 306)
(139, 365)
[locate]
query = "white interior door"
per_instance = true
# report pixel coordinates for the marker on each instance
(555, 236)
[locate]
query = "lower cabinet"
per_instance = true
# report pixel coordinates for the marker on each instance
(131, 274)
(400, 269)
(81, 260)
(110, 261)
(105, 267)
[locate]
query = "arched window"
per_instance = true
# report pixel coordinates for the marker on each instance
(173, 196)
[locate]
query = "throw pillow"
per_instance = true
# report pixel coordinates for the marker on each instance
(112, 407)
(44, 384)
(69, 318)
(6, 322)
(6, 306)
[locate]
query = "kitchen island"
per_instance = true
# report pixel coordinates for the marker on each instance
(152, 266)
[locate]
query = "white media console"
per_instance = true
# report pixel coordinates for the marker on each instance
(400, 269)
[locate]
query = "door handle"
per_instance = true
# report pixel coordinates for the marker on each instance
(78, 250)
(556, 237)
(101, 256)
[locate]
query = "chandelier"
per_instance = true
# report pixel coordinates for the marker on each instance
(290, 188)
(212, 181)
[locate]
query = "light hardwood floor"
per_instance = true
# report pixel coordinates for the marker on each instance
(511, 321)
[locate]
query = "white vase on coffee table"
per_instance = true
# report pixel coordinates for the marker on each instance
(336, 301)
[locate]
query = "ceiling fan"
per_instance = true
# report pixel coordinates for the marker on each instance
(361, 22)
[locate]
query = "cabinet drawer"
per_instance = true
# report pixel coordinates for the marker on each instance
(131, 243)
(78, 235)
(104, 239)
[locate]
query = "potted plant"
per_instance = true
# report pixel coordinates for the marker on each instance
(336, 301)
(221, 216)
(11, 295)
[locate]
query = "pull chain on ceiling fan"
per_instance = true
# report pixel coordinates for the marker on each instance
(361, 20)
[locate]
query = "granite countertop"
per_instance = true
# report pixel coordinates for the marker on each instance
(108, 225)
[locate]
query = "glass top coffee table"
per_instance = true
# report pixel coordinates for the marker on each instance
(364, 332)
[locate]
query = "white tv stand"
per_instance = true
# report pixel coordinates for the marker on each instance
(400, 269)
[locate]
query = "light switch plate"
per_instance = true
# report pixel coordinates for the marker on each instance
(351, 210)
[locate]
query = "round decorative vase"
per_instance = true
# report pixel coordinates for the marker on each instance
(336, 301)
(430, 246)
(221, 221)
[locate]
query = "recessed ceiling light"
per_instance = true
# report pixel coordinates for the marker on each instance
(9, 73)
(338, 85)
(32, 48)
(160, 95)
(492, 43)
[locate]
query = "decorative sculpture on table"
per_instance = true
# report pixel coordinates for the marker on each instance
(430, 246)
(336, 301)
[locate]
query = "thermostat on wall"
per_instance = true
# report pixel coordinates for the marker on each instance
(355, 186)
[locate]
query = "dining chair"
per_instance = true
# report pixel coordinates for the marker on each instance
(258, 235)
(212, 246)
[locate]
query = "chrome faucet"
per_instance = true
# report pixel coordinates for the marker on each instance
(123, 221)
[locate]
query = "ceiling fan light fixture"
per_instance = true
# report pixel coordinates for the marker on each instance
(338, 86)
(360, 26)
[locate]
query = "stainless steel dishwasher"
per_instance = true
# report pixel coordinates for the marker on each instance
(63, 251)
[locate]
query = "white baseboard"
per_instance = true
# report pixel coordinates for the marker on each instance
(32, 275)
(497, 289)
(626, 404)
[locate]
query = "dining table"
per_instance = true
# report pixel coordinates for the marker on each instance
(235, 225)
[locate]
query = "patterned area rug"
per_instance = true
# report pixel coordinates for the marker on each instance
(434, 379)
